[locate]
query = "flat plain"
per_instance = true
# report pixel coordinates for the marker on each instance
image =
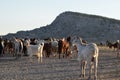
(58, 69)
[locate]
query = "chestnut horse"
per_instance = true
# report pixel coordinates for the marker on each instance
(64, 47)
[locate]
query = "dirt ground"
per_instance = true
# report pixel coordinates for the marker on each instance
(58, 69)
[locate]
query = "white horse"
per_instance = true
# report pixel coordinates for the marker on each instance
(18, 46)
(54, 46)
(87, 54)
(36, 50)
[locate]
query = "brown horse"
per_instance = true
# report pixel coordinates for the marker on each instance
(64, 47)
(9, 47)
(114, 45)
(47, 49)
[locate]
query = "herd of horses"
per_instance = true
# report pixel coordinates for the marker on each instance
(87, 52)
(115, 45)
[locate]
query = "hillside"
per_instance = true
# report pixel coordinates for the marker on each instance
(90, 27)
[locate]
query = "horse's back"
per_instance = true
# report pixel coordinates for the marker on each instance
(92, 48)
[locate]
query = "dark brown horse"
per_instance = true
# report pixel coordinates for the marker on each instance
(47, 49)
(1, 47)
(114, 45)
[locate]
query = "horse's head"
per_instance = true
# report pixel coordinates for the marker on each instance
(42, 43)
(75, 40)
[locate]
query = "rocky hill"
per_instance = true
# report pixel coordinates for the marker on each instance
(90, 27)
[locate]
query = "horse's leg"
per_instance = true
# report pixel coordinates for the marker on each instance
(41, 59)
(3, 52)
(59, 55)
(89, 68)
(65, 53)
(16, 53)
(30, 56)
(20, 53)
(38, 57)
(80, 64)
(118, 52)
(13, 52)
(95, 68)
(84, 67)
(41, 55)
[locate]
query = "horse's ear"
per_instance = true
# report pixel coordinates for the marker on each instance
(63, 39)
(118, 41)
(80, 38)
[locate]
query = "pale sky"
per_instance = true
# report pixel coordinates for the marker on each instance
(16, 15)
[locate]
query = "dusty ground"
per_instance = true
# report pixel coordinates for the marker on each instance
(58, 69)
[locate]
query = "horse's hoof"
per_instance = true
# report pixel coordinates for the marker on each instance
(95, 78)
(83, 76)
(80, 75)
(89, 78)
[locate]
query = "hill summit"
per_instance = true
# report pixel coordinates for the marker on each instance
(89, 27)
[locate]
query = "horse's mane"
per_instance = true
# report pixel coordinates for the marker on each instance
(81, 41)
